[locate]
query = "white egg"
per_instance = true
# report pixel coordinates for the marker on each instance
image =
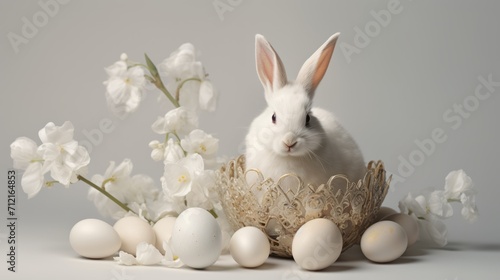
(384, 241)
(95, 239)
(196, 238)
(317, 244)
(249, 247)
(409, 224)
(163, 231)
(132, 231)
(384, 212)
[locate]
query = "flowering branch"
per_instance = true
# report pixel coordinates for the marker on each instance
(432, 206)
(156, 80)
(179, 87)
(188, 153)
(107, 194)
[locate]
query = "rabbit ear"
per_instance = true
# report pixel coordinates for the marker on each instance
(315, 67)
(269, 66)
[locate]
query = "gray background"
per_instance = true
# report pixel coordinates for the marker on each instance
(390, 94)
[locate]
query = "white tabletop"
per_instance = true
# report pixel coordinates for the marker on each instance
(45, 252)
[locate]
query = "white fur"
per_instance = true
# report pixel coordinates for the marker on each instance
(323, 148)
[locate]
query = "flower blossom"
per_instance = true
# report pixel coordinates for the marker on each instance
(180, 121)
(184, 70)
(62, 155)
(469, 208)
(456, 183)
(124, 87)
(146, 254)
(173, 152)
(430, 207)
(179, 178)
(58, 154)
(138, 191)
(25, 155)
(201, 143)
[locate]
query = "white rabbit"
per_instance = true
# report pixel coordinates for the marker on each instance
(292, 137)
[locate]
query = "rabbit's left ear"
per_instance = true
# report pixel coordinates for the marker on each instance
(314, 68)
(270, 69)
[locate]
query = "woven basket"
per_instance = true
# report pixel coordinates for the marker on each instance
(279, 214)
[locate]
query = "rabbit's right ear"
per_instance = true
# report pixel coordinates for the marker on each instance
(269, 66)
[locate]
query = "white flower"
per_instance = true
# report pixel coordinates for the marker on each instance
(469, 208)
(33, 179)
(179, 121)
(182, 64)
(161, 206)
(184, 70)
(208, 96)
(157, 154)
(23, 151)
(201, 143)
(62, 155)
(173, 152)
(146, 254)
(456, 183)
(125, 258)
(433, 231)
(138, 192)
(170, 259)
(124, 88)
(118, 183)
(179, 177)
(416, 206)
(25, 155)
(438, 204)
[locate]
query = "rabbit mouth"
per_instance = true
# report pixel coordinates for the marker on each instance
(291, 149)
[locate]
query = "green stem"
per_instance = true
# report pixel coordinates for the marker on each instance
(178, 91)
(178, 140)
(212, 211)
(107, 194)
(156, 80)
(103, 185)
(159, 84)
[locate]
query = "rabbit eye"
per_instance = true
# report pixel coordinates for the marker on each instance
(274, 118)
(308, 119)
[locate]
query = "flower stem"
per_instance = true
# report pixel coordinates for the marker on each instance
(107, 194)
(156, 80)
(212, 211)
(179, 87)
(159, 84)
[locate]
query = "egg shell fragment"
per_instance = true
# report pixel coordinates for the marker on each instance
(94, 239)
(384, 241)
(132, 231)
(196, 238)
(317, 244)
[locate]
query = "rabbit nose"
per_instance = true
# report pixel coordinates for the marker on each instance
(290, 145)
(289, 140)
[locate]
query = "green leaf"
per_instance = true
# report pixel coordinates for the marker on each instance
(151, 66)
